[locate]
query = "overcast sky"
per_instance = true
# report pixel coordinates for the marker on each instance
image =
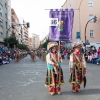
(33, 11)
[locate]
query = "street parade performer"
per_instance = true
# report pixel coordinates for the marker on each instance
(17, 55)
(33, 56)
(54, 78)
(77, 67)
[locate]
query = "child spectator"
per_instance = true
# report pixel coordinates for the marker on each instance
(90, 57)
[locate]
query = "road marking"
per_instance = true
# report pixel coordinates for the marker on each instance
(32, 72)
(30, 82)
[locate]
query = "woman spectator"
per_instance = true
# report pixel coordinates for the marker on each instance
(90, 57)
(99, 52)
(95, 57)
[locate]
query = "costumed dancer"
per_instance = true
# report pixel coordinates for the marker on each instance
(34, 56)
(77, 66)
(17, 55)
(54, 78)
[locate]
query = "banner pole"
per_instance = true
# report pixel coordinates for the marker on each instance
(58, 50)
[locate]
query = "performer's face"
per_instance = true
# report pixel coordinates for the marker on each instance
(77, 49)
(54, 49)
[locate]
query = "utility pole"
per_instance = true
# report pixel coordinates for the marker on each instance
(21, 34)
(95, 19)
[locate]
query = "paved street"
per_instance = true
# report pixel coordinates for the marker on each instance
(25, 81)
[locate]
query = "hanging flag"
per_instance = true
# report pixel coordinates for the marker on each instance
(61, 24)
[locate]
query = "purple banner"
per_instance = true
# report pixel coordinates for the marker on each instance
(61, 24)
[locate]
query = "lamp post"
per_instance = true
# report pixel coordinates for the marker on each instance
(28, 26)
(95, 19)
(21, 34)
(80, 18)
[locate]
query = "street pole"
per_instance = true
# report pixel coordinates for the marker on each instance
(7, 37)
(21, 35)
(85, 29)
(80, 18)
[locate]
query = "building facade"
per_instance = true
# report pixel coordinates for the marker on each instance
(84, 10)
(44, 40)
(30, 43)
(5, 19)
(15, 24)
(36, 41)
(24, 32)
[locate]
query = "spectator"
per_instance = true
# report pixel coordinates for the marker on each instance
(90, 57)
(99, 52)
(95, 57)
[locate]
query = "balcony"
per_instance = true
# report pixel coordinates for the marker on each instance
(13, 30)
(26, 36)
(13, 23)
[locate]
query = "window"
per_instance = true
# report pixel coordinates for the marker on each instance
(90, 17)
(6, 5)
(1, 34)
(91, 33)
(1, 22)
(6, 15)
(78, 35)
(1, 11)
(0, 14)
(90, 3)
(6, 25)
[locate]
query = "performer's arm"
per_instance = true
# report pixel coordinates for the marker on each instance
(84, 63)
(48, 59)
(60, 58)
(71, 63)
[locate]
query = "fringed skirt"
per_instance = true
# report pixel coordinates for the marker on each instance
(54, 80)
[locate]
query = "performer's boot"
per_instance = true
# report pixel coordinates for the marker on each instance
(79, 88)
(51, 90)
(58, 90)
(73, 88)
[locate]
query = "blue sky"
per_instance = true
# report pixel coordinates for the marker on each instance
(33, 11)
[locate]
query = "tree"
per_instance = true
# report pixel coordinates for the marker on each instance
(44, 45)
(11, 40)
(14, 42)
(22, 46)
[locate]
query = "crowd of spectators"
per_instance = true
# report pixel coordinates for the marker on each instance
(6, 57)
(92, 55)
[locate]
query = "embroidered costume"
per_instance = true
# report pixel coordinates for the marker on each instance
(77, 67)
(54, 78)
(33, 56)
(17, 56)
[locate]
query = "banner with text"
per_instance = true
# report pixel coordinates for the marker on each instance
(61, 24)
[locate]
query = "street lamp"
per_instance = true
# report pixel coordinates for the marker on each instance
(95, 19)
(80, 18)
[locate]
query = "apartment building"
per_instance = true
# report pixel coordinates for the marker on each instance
(5, 19)
(84, 10)
(30, 43)
(44, 39)
(24, 32)
(36, 41)
(15, 23)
